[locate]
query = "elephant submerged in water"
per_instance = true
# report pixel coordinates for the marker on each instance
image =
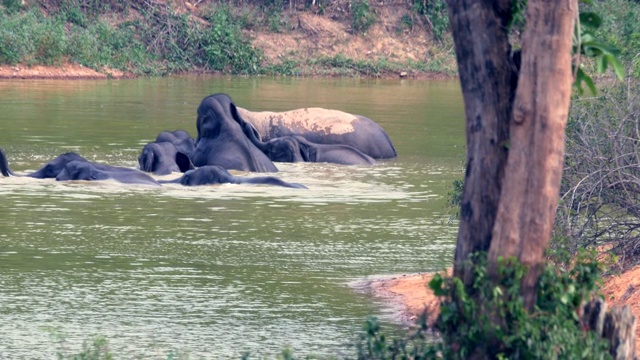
(162, 158)
(71, 166)
(323, 126)
(222, 141)
(214, 174)
(295, 148)
(48, 171)
(85, 170)
(181, 139)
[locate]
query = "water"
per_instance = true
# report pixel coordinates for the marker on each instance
(215, 271)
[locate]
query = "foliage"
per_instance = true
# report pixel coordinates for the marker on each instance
(373, 343)
(435, 13)
(493, 321)
(600, 192)
(586, 44)
(12, 5)
(225, 47)
(552, 331)
(620, 28)
(362, 15)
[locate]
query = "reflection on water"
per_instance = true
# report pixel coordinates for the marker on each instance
(212, 271)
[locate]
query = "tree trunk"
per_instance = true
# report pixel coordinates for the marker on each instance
(479, 31)
(508, 206)
(531, 187)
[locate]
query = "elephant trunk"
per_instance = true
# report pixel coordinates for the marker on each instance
(4, 165)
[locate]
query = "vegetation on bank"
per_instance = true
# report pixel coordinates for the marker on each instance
(158, 38)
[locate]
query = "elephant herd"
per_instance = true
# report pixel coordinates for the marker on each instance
(233, 138)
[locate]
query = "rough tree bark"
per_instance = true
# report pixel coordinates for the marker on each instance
(531, 189)
(510, 196)
(479, 31)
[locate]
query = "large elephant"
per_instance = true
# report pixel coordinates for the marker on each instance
(85, 170)
(71, 166)
(295, 148)
(214, 174)
(324, 126)
(221, 140)
(162, 158)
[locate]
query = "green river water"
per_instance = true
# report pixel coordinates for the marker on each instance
(214, 271)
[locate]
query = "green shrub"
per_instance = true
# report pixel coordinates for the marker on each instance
(493, 321)
(362, 15)
(225, 47)
(436, 13)
(12, 6)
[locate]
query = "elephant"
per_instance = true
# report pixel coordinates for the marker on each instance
(215, 174)
(48, 171)
(162, 158)
(222, 141)
(86, 170)
(71, 166)
(323, 126)
(181, 139)
(295, 148)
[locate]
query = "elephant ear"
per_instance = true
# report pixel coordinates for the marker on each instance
(147, 160)
(244, 125)
(4, 165)
(183, 161)
(306, 152)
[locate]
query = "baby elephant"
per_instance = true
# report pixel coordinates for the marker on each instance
(85, 170)
(163, 158)
(295, 148)
(214, 174)
(71, 166)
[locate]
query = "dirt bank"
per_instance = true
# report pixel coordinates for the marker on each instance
(312, 42)
(66, 71)
(411, 294)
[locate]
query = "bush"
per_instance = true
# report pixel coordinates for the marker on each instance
(621, 29)
(436, 15)
(225, 47)
(600, 193)
(492, 322)
(362, 15)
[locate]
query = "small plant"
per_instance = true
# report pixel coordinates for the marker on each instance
(12, 6)
(362, 15)
(226, 49)
(436, 15)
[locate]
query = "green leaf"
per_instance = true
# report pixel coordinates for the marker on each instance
(617, 66)
(590, 19)
(581, 77)
(601, 64)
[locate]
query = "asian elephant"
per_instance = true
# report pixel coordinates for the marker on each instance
(215, 174)
(181, 139)
(71, 166)
(295, 148)
(48, 171)
(85, 170)
(221, 140)
(162, 158)
(324, 126)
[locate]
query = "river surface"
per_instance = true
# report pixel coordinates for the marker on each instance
(213, 271)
